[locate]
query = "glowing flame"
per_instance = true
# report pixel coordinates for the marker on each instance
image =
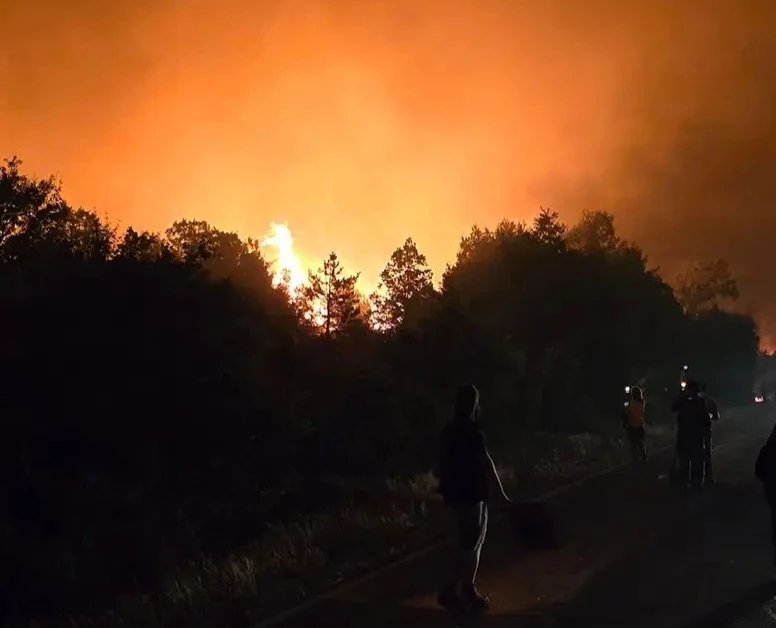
(288, 271)
(288, 267)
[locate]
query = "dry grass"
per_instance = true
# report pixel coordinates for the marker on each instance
(305, 557)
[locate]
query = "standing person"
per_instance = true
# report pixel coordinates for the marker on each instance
(677, 465)
(712, 415)
(635, 425)
(692, 414)
(765, 470)
(467, 474)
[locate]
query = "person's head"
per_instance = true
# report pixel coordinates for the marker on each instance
(637, 394)
(467, 403)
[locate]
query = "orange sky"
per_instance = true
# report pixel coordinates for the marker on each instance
(362, 122)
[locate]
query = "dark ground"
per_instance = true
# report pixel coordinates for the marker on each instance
(635, 553)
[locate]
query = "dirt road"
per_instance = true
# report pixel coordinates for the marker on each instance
(635, 553)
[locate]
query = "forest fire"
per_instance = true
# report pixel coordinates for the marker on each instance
(288, 267)
(251, 251)
(267, 391)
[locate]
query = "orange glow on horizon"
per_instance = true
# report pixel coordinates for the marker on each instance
(359, 124)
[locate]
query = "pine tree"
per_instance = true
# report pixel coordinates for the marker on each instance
(405, 279)
(330, 301)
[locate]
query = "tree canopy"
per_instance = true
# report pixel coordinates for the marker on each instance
(705, 286)
(406, 281)
(168, 376)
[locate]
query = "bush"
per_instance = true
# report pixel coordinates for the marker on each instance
(165, 403)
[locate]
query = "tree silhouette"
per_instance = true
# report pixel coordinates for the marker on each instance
(594, 233)
(82, 233)
(471, 244)
(29, 210)
(223, 255)
(330, 300)
(196, 241)
(142, 247)
(156, 388)
(405, 279)
(705, 286)
(549, 230)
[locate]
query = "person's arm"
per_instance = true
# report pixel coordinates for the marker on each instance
(488, 466)
(495, 477)
(715, 416)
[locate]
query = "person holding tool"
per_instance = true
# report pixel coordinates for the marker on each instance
(467, 477)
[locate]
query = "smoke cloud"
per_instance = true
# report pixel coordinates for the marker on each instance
(362, 122)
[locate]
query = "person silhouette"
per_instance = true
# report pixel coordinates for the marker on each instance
(467, 474)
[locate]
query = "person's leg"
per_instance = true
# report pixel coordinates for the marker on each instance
(449, 596)
(696, 463)
(634, 444)
(478, 522)
(683, 469)
(680, 468)
(458, 588)
(483, 531)
(707, 444)
(642, 445)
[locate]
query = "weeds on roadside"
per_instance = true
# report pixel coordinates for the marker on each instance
(304, 557)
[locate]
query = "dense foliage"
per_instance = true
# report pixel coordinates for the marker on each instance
(161, 398)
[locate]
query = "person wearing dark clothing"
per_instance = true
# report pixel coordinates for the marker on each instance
(675, 473)
(765, 470)
(713, 415)
(634, 413)
(467, 473)
(692, 415)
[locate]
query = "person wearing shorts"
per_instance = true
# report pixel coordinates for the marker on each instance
(466, 476)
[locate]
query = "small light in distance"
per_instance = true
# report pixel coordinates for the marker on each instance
(684, 385)
(685, 367)
(627, 390)
(758, 399)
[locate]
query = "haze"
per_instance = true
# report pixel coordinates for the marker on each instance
(362, 122)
